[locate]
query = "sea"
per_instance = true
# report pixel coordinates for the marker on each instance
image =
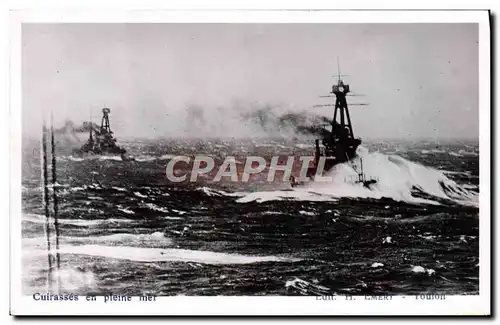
(124, 229)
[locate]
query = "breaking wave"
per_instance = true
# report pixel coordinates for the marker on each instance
(397, 178)
(40, 219)
(306, 288)
(154, 238)
(213, 192)
(142, 254)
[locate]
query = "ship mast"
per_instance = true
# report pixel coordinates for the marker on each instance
(105, 127)
(340, 90)
(340, 144)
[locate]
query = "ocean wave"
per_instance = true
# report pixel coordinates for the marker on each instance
(139, 194)
(141, 254)
(449, 172)
(167, 157)
(116, 158)
(40, 219)
(126, 238)
(454, 154)
(213, 192)
(154, 207)
(296, 194)
(157, 237)
(145, 158)
(71, 158)
(398, 179)
(426, 152)
(306, 288)
(304, 145)
(468, 153)
(125, 210)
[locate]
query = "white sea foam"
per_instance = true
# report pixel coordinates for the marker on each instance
(397, 178)
(126, 238)
(125, 210)
(449, 172)
(140, 254)
(139, 194)
(116, 158)
(76, 189)
(467, 153)
(154, 207)
(297, 194)
(145, 158)
(167, 157)
(118, 238)
(213, 192)
(40, 219)
(304, 145)
(172, 218)
(420, 269)
(305, 287)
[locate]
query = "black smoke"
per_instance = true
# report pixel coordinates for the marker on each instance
(302, 123)
(69, 131)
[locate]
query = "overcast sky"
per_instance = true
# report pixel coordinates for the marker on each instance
(420, 80)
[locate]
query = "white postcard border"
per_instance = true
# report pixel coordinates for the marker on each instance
(228, 305)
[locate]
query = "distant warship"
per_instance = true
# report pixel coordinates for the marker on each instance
(101, 140)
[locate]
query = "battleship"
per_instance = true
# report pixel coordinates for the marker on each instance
(337, 137)
(101, 140)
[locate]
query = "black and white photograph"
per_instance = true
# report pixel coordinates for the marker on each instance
(335, 161)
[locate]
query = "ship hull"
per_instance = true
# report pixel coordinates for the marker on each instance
(340, 153)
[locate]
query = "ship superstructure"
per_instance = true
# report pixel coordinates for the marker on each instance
(101, 140)
(339, 144)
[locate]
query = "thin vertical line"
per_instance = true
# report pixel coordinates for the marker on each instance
(45, 200)
(338, 67)
(54, 194)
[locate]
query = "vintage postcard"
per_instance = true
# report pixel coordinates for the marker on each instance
(250, 163)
